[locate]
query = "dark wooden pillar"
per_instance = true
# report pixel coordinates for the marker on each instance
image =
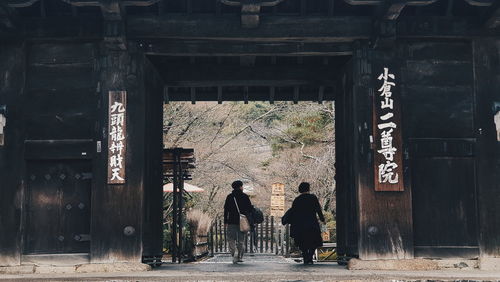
(487, 83)
(117, 209)
(12, 73)
(385, 218)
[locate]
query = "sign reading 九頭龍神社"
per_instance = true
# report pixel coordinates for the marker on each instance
(388, 155)
(117, 133)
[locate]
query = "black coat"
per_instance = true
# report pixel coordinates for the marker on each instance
(305, 229)
(231, 215)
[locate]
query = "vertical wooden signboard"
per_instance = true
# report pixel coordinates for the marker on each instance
(278, 200)
(117, 145)
(388, 155)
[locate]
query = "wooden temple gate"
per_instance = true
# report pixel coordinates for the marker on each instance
(83, 83)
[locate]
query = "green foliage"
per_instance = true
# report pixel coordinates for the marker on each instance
(331, 225)
(308, 128)
(254, 110)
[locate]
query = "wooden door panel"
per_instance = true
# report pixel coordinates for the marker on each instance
(444, 202)
(58, 219)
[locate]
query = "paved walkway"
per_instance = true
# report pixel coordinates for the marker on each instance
(261, 268)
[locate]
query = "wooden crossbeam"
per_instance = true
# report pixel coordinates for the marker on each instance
(310, 31)
(283, 28)
(208, 75)
(236, 48)
(246, 83)
(270, 94)
(20, 3)
(297, 29)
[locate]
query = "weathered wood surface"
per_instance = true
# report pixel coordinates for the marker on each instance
(337, 29)
(117, 210)
(152, 238)
(347, 213)
(58, 206)
(385, 219)
(234, 48)
(60, 89)
(12, 68)
(487, 83)
(439, 122)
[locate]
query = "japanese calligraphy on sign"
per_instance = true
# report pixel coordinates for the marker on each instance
(278, 200)
(387, 134)
(117, 144)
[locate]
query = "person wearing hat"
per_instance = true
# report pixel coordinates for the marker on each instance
(236, 202)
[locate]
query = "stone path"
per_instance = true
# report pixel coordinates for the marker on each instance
(261, 268)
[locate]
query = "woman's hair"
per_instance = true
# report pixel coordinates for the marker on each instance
(304, 187)
(236, 184)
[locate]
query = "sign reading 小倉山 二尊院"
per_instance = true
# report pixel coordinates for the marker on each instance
(117, 133)
(388, 155)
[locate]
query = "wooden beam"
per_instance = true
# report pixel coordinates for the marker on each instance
(244, 83)
(236, 48)
(297, 29)
(166, 98)
(250, 10)
(289, 31)
(273, 28)
(219, 95)
(69, 28)
(210, 75)
(480, 3)
(272, 93)
(261, 94)
(193, 95)
(89, 3)
(296, 91)
(20, 3)
(321, 94)
(382, 2)
(245, 94)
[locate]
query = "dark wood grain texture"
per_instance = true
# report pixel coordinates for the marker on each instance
(12, 69)
(487, 83)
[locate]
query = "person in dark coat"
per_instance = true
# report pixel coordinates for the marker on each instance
(305, 229)
(236, 238)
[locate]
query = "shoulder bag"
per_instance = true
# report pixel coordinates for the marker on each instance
(244, 225)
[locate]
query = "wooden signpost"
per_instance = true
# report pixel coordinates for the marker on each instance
(117, 133)
(278, 200)
(388, 155)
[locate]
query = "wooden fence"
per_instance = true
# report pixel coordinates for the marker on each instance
(269, 237)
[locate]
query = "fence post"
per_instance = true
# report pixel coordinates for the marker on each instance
(267, 233)
(221, 243)
(279, 248)
(252, 236)
(287, 232)
(225, 239)
(216, 242)
(272, 234)
(212, 240)
(261, 238)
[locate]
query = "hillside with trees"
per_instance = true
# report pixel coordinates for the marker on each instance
(258, 143)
